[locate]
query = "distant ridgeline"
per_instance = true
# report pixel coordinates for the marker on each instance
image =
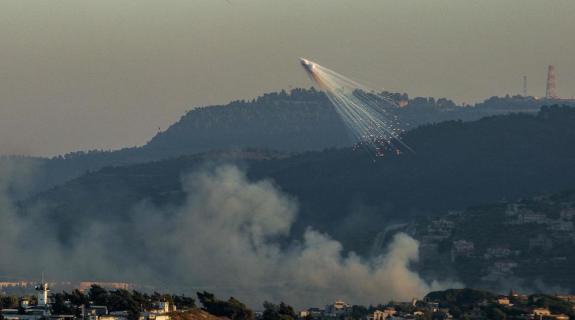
(298, 121)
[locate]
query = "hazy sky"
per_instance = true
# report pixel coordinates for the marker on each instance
(107, 73)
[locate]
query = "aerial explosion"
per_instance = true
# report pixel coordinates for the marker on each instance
(367, 114)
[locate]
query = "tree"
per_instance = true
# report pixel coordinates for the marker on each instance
(59, 305)
(8, 302)
(120, 300)
(232, 308)
(554, 304)
(77, 297)
(281, 312)
(142, 299)
(495, 313)
(98, 295)
(358, 312)
(439, 315)
(184, 302)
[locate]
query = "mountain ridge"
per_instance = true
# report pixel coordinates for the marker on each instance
(299, 121)
(457, 164)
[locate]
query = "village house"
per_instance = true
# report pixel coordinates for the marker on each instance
(339, 307)
(161, 312)
(504, 301)
(383, 314)
(541, 312)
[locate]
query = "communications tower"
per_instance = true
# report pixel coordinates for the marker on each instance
(551, 92)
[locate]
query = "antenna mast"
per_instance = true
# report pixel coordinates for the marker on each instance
(551, 92)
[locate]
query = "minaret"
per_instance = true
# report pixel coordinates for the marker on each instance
(42, 294)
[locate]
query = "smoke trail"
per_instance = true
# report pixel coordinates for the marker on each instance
(229, 237)
(367, 115)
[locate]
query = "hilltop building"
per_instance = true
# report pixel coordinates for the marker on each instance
(339, 307)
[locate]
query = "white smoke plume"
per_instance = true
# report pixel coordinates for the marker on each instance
(16, 175)
(230, 237)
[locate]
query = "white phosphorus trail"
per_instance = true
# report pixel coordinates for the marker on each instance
(369, 116)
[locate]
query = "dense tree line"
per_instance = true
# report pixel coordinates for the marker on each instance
(115, 300)
(231, 308)
(278, 312)
(295, 121)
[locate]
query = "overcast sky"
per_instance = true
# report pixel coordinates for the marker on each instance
(104, 74)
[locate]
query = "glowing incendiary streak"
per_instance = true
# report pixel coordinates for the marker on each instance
(366, 114)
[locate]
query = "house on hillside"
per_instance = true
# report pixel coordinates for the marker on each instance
(161, 312)
(94, 312)
(382, 314)
(339, 307)
(311, 313)
(540, 312)
(504, 301)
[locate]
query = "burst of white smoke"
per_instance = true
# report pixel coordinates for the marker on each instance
(368, 116)
(230, 237)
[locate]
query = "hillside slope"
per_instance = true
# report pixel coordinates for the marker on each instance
(521, 244)
(298, 121)
(344, 192)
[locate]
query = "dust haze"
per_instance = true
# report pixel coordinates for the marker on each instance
(230, 237)
(106, 74)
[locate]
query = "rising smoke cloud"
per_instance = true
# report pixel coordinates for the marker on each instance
(229, 237)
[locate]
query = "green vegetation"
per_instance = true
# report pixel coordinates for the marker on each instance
(115, 300)
(8, 302)
(457, 165)
(301, 120)
(359, 312)
(554, 304)
(278, 312)
(529, 239)
(469, 303)
(461, 298)
(232, 308)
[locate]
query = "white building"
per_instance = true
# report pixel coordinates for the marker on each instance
(42, 291)
(337, 308)
(164, 307)
(162, 312)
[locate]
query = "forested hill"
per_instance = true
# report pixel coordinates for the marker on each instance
(298, 121)
(456, 164)
(304, 120)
